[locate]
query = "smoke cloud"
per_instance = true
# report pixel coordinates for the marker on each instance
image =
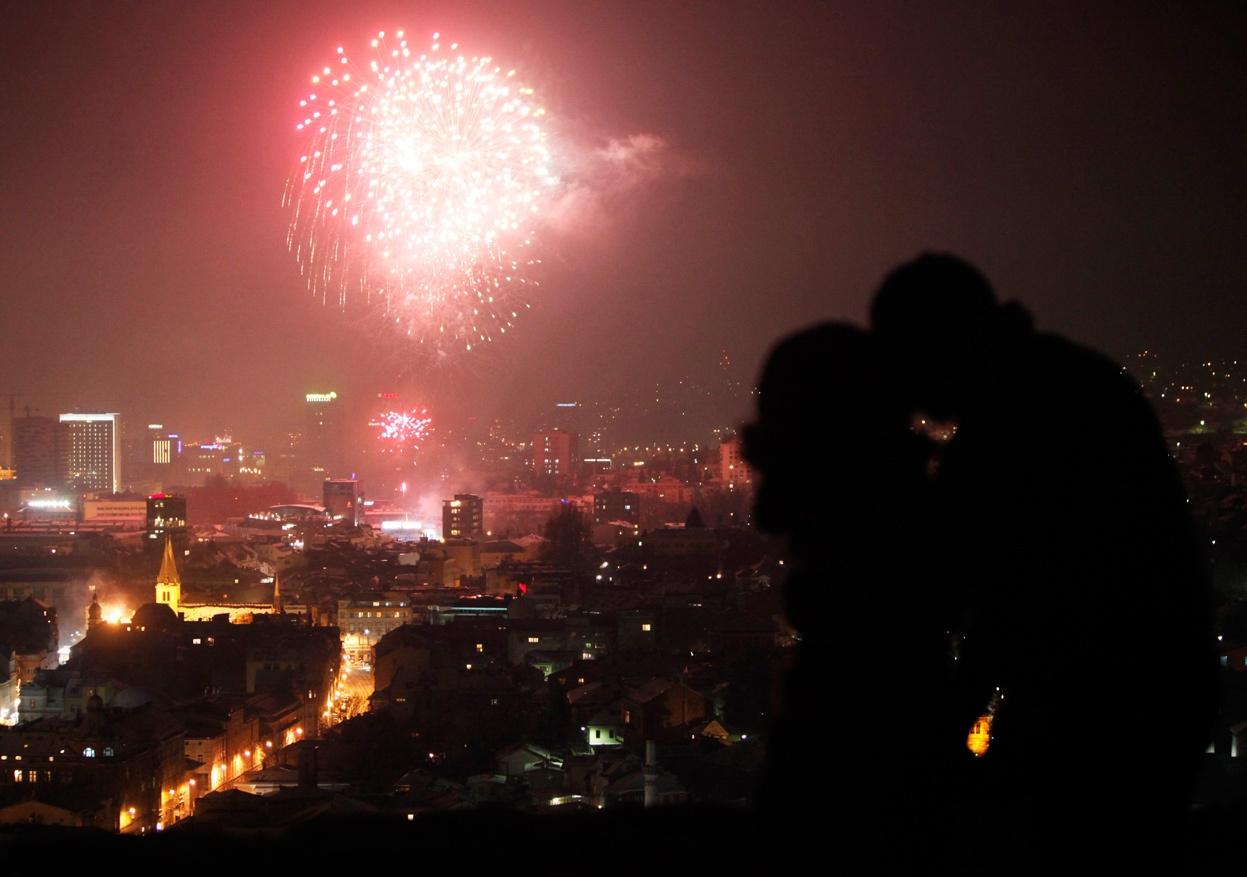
(601, 176)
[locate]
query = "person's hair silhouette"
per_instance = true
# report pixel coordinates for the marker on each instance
(843, 477)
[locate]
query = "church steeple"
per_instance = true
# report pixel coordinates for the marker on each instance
(94, 612)
(277, 607)
(168, 581)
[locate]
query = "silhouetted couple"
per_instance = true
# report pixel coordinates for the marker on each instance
(987, 533)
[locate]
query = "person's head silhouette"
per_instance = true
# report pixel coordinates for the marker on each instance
(934, 317)
(821, 397)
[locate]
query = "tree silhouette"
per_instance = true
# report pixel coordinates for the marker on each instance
(568, 534)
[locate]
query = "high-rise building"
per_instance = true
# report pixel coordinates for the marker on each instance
(567, 416)
(342, 500)
(617, 505)
(463, 517)
(733, 470)
(39, 451)
(206, 460)
(164, 446)
(94, 451)
(288, 466)
(166, 516)
(322, 438)
(154, 458)
(554, 452)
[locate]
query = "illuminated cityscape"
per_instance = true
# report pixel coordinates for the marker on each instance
(695, 436)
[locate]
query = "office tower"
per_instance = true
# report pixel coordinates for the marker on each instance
(463, 517)
(733, 470)
(617, 505)
(93, 459)
(39, 451)
(342, 500)
(322, 437)
(554, 452)
(166, 516)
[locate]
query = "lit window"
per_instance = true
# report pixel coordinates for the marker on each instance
(88, 753)
(534, 639)
(646, 627)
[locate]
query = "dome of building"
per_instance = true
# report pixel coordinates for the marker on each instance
(154, 616)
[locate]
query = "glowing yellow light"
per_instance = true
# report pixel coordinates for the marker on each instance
(980, 736)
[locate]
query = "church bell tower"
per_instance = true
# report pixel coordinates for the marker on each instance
(168, 582)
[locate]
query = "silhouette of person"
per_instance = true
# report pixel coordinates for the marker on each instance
(1066, 546)
(843, 477)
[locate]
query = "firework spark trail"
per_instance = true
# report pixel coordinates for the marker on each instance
(420, 183)
(400, 430)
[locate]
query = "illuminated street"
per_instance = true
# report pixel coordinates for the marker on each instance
(355, 686)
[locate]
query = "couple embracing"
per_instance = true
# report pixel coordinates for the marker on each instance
(1006, 657)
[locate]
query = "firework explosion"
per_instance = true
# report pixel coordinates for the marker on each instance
(420, 182)
(400, 430)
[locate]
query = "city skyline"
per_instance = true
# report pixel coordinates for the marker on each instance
(593, 425)
(828, 141)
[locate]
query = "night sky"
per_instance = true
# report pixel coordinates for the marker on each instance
(1091, 161)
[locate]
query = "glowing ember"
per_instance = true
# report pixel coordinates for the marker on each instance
(419, 185)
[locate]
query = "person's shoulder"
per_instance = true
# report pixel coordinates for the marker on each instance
(1088, 389)
(1058, 348)
(1058, 361)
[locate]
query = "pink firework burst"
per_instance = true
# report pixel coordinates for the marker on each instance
(419, 184)
(399, 430)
